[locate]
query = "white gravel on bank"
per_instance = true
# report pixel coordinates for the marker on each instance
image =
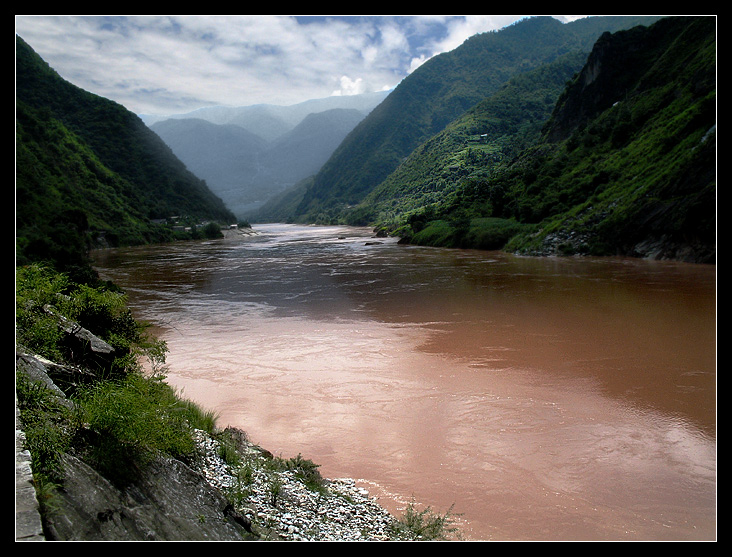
(280, 505)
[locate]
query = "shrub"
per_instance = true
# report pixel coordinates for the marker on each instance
(128, 421)
(37, 287)
(45, 424)
(492, 233)
(424, 525)
(305, 470)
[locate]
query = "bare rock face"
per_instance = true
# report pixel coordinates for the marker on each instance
(27, 516)
(167, 501)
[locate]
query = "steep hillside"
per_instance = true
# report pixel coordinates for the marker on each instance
(86, 167)
(433, 96)
(626, 164)
(302, 151)
(493, 132)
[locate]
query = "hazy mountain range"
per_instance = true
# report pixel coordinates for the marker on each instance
(248, 154)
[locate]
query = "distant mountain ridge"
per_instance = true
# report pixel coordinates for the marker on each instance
(270, 121)
(276, 147)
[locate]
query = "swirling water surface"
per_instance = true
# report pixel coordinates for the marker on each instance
(538, 398)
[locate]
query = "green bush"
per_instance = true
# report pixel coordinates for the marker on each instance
(424, 525)
(36, 329)
(491, 233)
(131, 420)
(435, 233)
(46, 426)
(305, 470)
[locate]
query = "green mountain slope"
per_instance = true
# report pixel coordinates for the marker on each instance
(626, 164)
(436, 94)
(494, 131)
(631, 170)
(86, 166)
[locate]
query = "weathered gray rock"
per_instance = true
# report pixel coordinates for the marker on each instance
(59, 379)
(27, 517)
(84, 347)
(167, 501)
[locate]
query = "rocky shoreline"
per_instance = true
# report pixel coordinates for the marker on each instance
(340, 511)
(226, 489)
(239, 491)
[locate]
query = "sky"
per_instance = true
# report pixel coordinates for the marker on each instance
(176, 64)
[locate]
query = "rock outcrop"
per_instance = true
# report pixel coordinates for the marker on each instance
(168, 501)
(27, 515)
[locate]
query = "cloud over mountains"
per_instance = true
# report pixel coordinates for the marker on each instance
(173, 64)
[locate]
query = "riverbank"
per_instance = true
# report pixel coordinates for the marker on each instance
(107, 450)
(229, 489)
(280, 506)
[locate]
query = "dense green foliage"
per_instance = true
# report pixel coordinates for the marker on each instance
(433, 96)
(88, 171)
(637, 167)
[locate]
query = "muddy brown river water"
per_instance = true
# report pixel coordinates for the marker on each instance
(538, 398)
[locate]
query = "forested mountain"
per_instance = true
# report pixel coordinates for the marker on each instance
(625, 165)
(435, 95)
(543, 137)
(88, 168)
(608, 153)
(496, 130)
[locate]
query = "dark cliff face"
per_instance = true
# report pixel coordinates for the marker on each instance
(620, 66)
(609, 73)
(631, 142)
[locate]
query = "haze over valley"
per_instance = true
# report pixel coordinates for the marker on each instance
(247, 155)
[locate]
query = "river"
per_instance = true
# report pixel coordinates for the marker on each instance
(535, 398)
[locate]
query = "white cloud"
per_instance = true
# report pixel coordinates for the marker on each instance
(168, 64)
(350, 87)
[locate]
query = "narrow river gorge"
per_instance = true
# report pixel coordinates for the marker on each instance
(539, 398)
